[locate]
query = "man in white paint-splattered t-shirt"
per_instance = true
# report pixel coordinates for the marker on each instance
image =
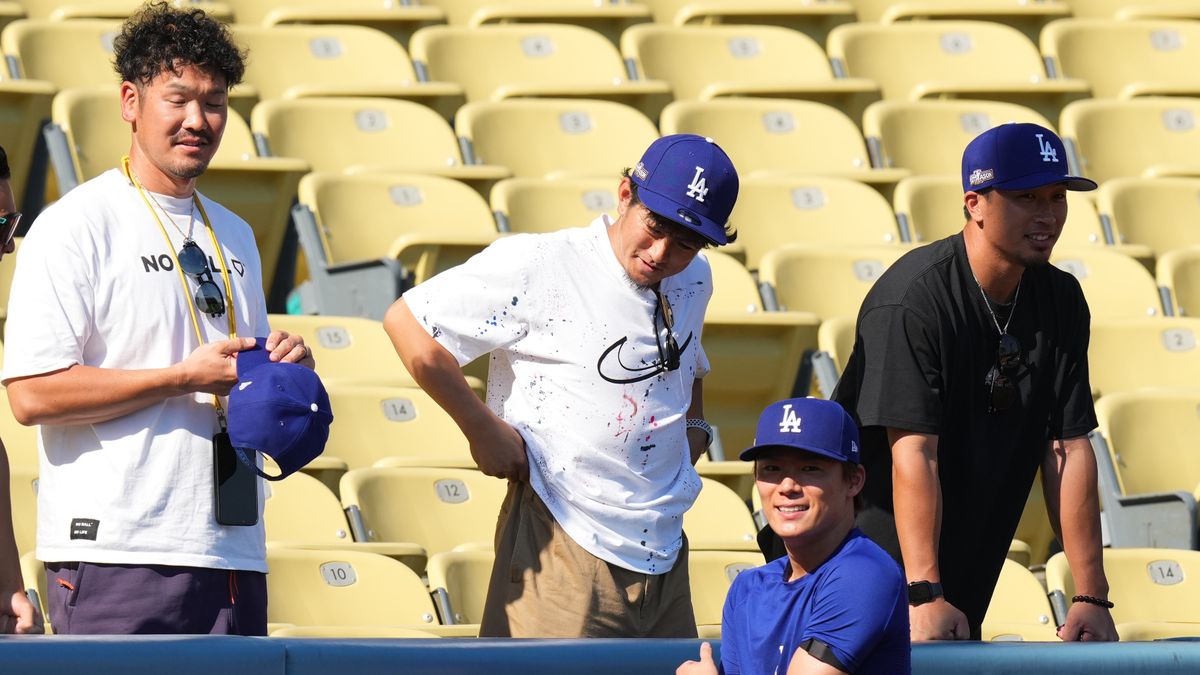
(594, 406)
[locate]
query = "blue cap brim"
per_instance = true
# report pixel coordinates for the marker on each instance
(754, 452)
(670, 210)
(1036, 180)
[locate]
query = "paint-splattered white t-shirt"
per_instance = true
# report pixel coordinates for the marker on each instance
(576, 369)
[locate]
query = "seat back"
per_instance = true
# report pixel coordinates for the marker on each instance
(734, 289)
(719, 520)
(774, 212)
(901, 56)
(375, 422)
(544, 205)
(76, 53)
(1179, 271)
(334, 134)
(1019, 608)
(465, 577)
(1115, 285)
(927, 137)
(1130, 354)
(711, 573)
(1130, 9)
(1162, 213)
(690, 58)
(1122, 58)
(538, 138)
(774, 134)
(836, 338)
(301, 509)
(1145, 584)
(438, 509)
(486, 60)
(347, 348)
(828, 282)
(1115, 138)
(1147, 434)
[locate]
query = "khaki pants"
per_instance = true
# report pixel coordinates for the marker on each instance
(545, 585)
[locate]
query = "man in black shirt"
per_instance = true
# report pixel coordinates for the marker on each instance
(969, 371)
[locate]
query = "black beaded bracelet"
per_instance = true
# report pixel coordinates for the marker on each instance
(1092, 600)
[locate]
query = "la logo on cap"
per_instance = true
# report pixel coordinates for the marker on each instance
(1047, 150)
(789, 423)
(697, 189)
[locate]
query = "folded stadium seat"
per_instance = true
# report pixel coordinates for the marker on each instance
(1027, 17)
(574, 138)
(24, 108)
(300, 512)
(609, 19)
(89, 137)
(332, 60)
(401, 424)
(1147, 136)
(780, 137)
(1019, 552)
(279, 630)
(1159, 214)
(546, 205)
(1178, 272)
(1115, 285)
(1134, 9)
(349, 588)
(827, 281)
(719, 521)
(1019, 610)
(927, 137)
(368, 237)
(1123, 59)
(1131, 354)
(835, 338)
(78, 53)
(459, 583)
(59, 10)
(711, 574)
(22, 487)
(523, 60)
(367, 134)
(811, 210)
(457, 507)
(1156, 590)
(704, 62)
(814, 19)
(399, 19)
(951, 59)
(20, 441)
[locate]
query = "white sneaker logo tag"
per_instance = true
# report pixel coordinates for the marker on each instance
(1048, 151)
(697, 189)
(790, 423)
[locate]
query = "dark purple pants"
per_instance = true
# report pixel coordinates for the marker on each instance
(101, 599)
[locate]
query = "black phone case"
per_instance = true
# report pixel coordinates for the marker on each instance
(235, 486)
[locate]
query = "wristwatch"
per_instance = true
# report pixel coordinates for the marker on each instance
(921, 592)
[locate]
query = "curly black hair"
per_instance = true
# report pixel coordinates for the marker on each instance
(161, 38)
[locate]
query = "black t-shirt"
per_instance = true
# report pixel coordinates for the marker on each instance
(923, 347)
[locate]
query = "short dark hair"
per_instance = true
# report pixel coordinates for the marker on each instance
(5, 171)
(667, 223)
(161, 38)
(982, 193)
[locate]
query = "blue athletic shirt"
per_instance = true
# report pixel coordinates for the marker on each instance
(855, 604)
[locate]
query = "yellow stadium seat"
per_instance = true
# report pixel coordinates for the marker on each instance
(781, 137)
(461, 580)
(1143, 430)
(367, 134)
(828, 282)
(1027, 17)
(301, 512)
(1148, 136)
(951, 59)
(1019, 552)
(24, 106)
(347, 349)
(545, 205)
(1034, 528)
(8, 265)
(730, 471)
(60, 10)
(719, 521)
(1019, 610)
(497, 62)
(1152, 589)
(815, 211)
(703, 62)
(398, 20)
(1134, 9)
(711, 573)
(814, 19)
(1159, 214)
(928, 137)
(348, 588)
(1115, 285)
(734, 289)
(574, 138)
(341, 632)
(258, 189)
(11, 11)
(607, 18)
(1123, 59)
(1179, 272)
(440, 509)
(334, 60)
(22, 487)
(1130, 354)
(836, 338)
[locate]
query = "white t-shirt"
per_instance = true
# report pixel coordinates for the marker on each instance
(574, 370)
(95, 285)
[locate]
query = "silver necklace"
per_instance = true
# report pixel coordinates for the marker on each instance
(987, 303)
(187, 236)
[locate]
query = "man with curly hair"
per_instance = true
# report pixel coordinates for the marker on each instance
(132, 297)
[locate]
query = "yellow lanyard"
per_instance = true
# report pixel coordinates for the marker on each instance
(187, 291)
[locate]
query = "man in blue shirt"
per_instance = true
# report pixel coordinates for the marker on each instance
(836, 603)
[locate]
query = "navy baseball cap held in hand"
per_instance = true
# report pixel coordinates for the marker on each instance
(278, 409)
(814, 425)
(688, 179)
(1018, 157)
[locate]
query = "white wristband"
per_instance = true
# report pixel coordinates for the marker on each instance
(697, 423)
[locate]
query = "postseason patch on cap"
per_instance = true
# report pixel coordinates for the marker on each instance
(981, 176)
(640, 171)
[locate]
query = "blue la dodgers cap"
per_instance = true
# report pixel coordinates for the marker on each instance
(1018, 156)
(279, 409)
(815, 425)
(688, 179)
